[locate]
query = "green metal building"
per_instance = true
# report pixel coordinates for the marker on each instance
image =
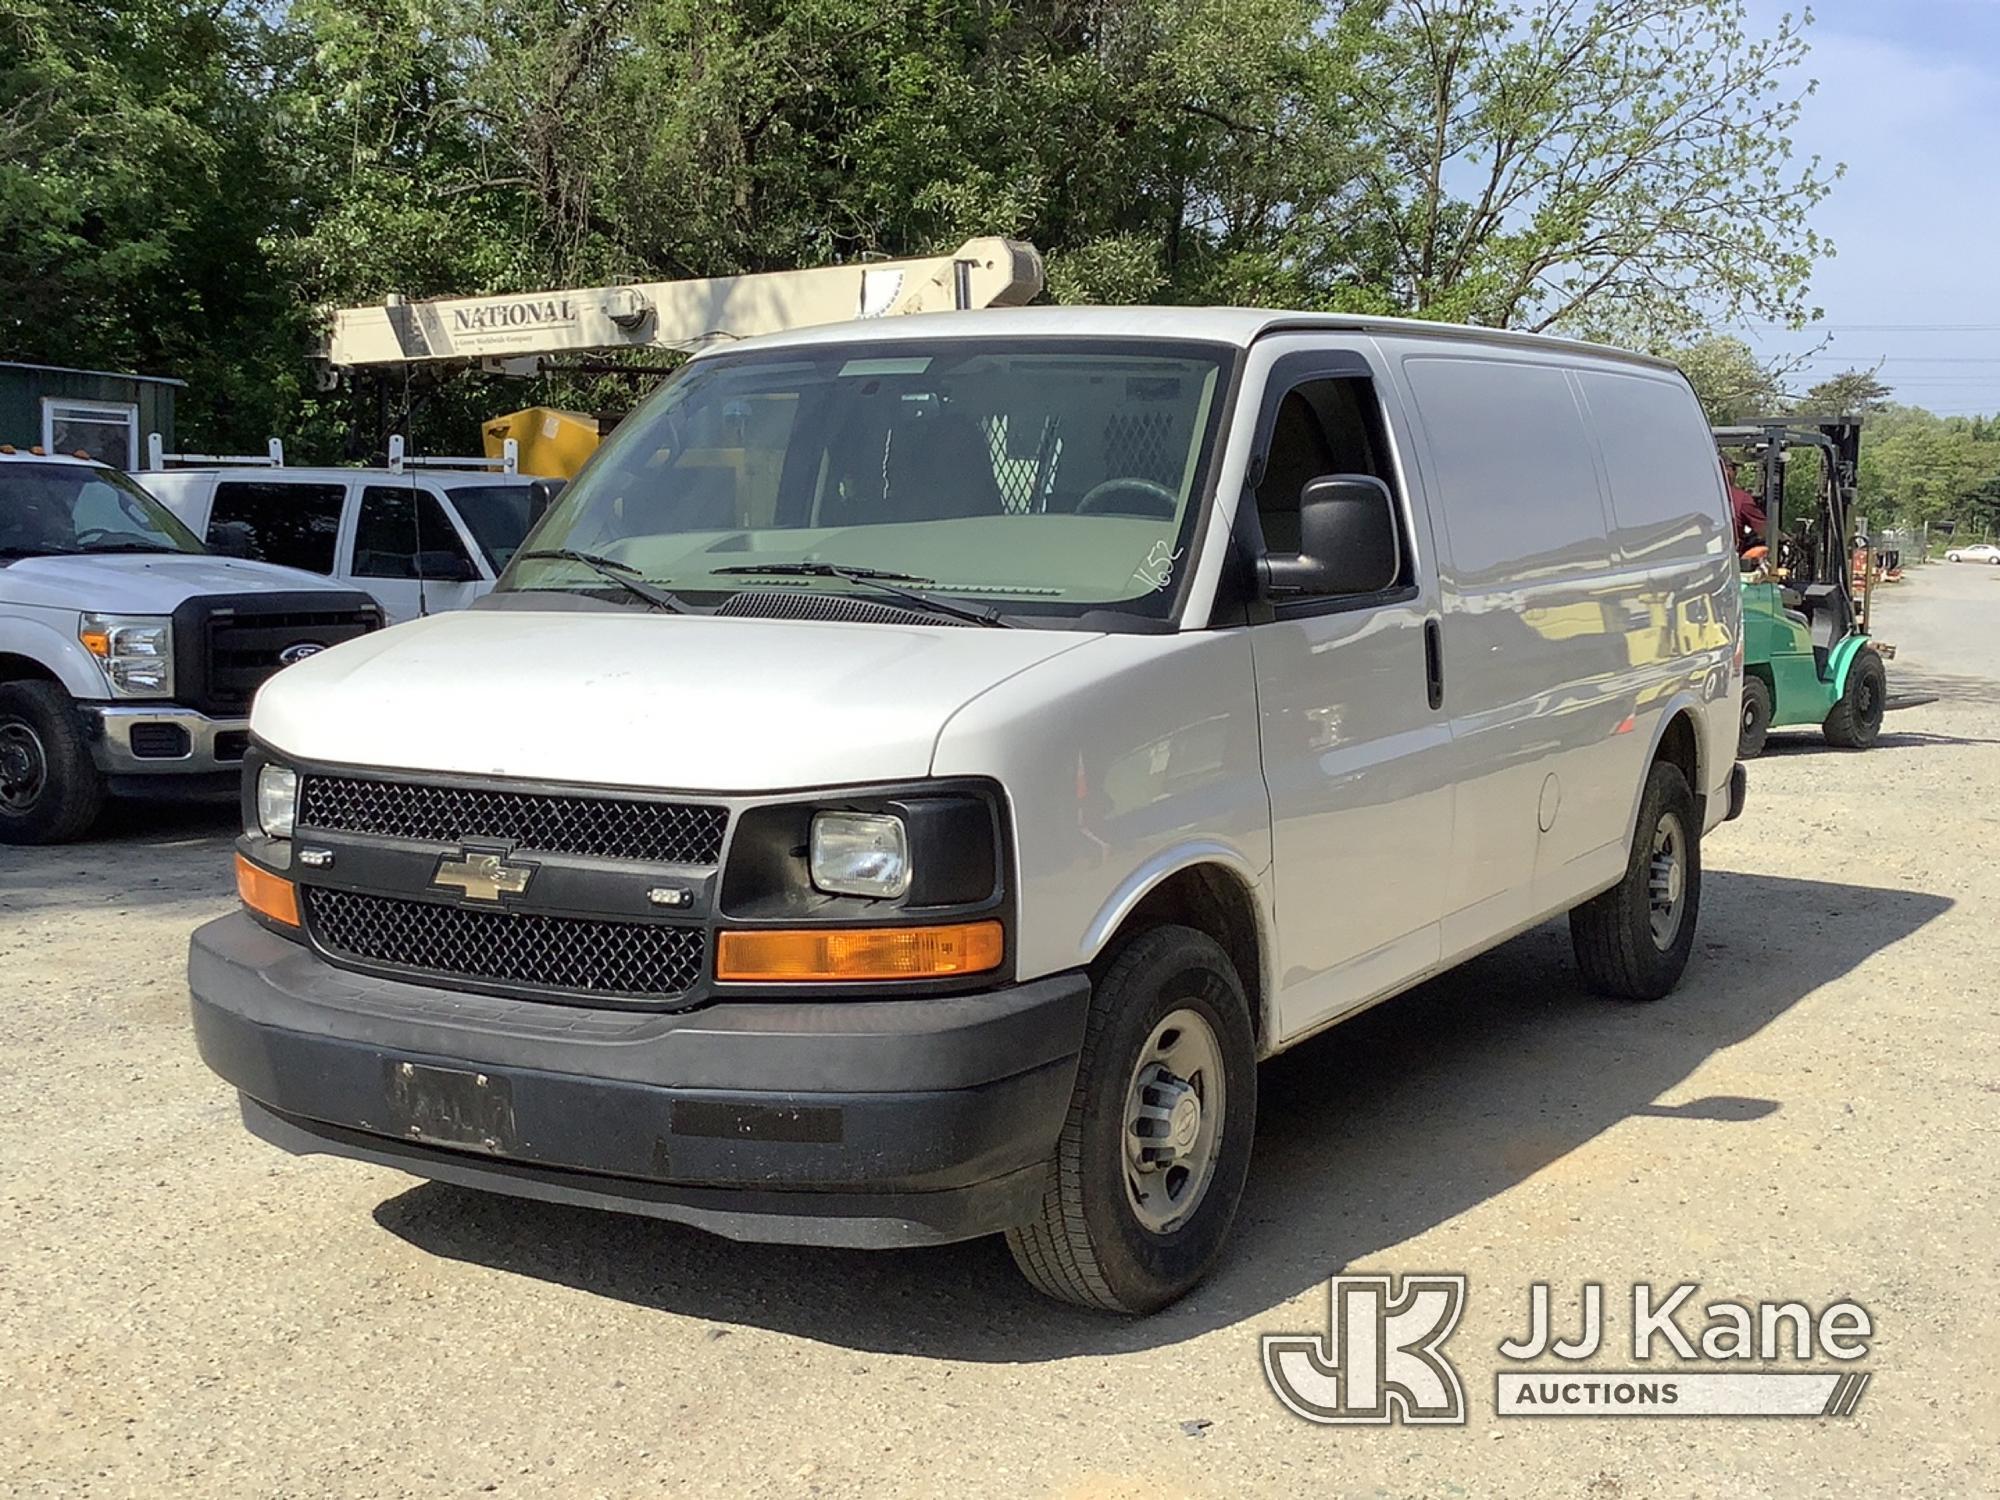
(98, 412)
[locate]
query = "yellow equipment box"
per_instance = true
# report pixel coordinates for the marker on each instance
(553, 444)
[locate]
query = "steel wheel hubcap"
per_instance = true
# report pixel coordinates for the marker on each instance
(1666, 881)
(1173, 1121)
(24, 767)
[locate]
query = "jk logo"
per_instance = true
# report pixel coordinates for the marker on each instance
(1379, 1361)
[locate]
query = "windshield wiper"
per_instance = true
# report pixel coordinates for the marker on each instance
(611, 570)
(876, 578)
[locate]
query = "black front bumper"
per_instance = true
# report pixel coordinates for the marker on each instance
(876, 1123)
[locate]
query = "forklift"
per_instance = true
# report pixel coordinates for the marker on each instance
(1807, 586)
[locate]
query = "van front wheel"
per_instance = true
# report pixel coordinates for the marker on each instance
(1633, 941)
(1145, 1178)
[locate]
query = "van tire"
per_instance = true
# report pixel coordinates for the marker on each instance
(1756, 722)
(1088, 1244)
(57, 791)
(1617, 944)
(1856, 720)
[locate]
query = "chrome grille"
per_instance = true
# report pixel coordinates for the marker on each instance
(570, 954)
(683, 833)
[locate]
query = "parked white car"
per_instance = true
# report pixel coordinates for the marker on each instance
(128, 654)
(420, 544)
(1978, 552)
(917, 773)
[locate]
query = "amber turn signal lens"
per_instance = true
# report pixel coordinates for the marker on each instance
(266, 894)
(803, 955)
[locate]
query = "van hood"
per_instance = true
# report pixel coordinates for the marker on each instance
(643, 700)
(143, 583)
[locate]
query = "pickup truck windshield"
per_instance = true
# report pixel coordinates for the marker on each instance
(1033, 477)
(49, 510)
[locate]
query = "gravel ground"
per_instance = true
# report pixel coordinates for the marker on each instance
(1813, 1116)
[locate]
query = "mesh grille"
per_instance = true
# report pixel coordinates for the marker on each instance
(1024, 482)
(551, 953)
(605, 827)
(1141, 444)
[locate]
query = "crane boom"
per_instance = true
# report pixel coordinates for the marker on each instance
(986, 272)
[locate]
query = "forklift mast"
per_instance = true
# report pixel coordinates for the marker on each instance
(1815, 549)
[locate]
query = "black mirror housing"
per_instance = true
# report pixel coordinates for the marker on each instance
(1347, 540)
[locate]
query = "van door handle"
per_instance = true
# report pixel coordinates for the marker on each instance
(1434, 662)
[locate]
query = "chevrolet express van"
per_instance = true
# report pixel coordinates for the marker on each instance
(913, 775)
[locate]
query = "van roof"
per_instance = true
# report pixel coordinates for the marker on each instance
(1241, 326)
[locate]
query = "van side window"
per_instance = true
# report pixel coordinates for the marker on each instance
(388, 534)
(1514, 470)
(1663, 489)
(293, 524)
(1323, 427)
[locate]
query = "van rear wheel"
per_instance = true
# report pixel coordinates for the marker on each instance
(1146, 1176)
(1633, 941)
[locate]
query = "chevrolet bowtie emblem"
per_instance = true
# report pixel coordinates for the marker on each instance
(483, 877)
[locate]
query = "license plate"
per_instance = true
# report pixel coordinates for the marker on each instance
(451, 1107)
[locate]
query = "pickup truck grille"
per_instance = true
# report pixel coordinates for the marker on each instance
(682, 833)
(226, 645)
(577, 955)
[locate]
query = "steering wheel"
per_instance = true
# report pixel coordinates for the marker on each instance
(1153, 499)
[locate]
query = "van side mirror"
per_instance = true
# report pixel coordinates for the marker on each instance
(1347, 540)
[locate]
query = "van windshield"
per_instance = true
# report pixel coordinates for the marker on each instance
(1033, 477)
(51, 510)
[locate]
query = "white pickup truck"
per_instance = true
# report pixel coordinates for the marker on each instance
(129, 654)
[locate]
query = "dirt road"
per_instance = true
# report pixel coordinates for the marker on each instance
(1816, 1115)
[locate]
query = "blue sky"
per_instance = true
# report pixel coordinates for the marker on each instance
(1909, 98)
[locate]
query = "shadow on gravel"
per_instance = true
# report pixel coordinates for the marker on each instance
(139, 854)
(1369, 1134)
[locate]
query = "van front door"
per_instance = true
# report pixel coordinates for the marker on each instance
(409, 555)
(1357, 757)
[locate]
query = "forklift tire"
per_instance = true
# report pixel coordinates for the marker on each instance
(1857, 718)
(1756, 723)
(50, 790)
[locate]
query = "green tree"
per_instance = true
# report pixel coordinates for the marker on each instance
(1621, 168)
(1850, 393)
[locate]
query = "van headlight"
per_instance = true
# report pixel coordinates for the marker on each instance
(860, 854)
(136, 652)
(277, 800)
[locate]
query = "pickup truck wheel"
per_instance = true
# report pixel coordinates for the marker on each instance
(1756, 722)
(1856, 720)
(1633, 941)
(1147, 1173)
(50, 790)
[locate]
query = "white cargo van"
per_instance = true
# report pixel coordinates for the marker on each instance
(419, 544)
(913, 775)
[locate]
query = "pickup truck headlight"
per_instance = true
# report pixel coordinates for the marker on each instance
(277, 800)
(136, 652)
(860, 854)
